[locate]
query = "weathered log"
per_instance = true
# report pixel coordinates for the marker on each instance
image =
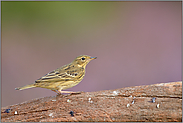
(132, 104)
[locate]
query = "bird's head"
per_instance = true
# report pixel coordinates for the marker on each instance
(83, 60)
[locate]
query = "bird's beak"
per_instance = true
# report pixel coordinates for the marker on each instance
(93, 58)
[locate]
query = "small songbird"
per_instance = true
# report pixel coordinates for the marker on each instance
(64, 77)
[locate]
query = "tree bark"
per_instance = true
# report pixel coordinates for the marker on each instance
(130, 104)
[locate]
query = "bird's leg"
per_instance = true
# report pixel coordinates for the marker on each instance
(56, 91)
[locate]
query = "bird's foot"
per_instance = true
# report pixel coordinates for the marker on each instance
(70, 92)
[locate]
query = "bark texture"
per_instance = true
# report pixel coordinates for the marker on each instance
(130, 104)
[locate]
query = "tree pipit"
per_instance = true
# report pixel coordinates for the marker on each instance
(64, 77)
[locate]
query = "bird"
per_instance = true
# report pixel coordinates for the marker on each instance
(64, 77)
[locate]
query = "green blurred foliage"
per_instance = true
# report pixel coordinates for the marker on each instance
(57, 17)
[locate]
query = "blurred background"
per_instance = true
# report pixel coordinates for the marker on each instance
(136, 43)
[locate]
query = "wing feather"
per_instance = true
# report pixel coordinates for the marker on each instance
(66, 73)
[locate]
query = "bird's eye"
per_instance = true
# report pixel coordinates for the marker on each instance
(83, 58)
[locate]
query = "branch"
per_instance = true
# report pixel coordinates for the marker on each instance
(130, 104)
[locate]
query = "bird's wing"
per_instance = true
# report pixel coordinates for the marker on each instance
(65, 73)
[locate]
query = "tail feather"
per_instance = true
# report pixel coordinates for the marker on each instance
(25, 87)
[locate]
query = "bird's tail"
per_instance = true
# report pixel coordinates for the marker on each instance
(25, 87)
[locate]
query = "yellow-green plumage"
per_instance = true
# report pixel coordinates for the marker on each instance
(64, 77)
